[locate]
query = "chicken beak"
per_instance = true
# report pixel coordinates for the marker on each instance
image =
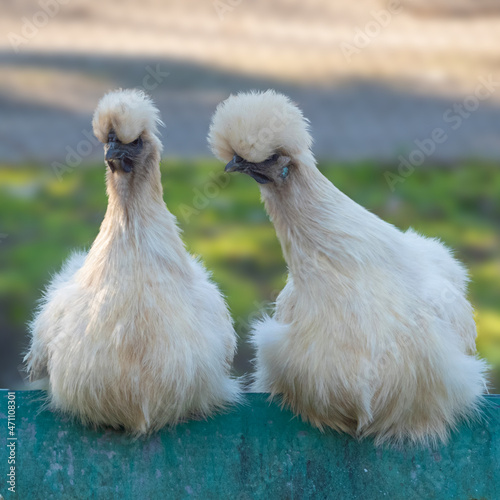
(254, 170)
(237, 164)
(117, 157)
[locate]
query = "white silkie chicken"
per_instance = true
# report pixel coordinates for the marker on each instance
(372, 334)
(134, 334)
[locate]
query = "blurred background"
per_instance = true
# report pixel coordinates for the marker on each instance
(403, 98)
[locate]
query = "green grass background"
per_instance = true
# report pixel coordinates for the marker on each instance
(223, 220)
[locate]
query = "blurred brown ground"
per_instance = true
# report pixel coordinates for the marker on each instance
(415, 60)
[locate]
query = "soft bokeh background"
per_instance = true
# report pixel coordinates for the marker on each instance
(375, 77)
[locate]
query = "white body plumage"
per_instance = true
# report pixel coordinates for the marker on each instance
(372, 334)
(134, 334)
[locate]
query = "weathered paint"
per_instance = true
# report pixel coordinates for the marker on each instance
(255, 451)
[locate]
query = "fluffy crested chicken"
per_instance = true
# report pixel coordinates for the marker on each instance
(133, 334)
(373, 334)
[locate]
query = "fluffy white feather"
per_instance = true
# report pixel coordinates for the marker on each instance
(372, 334)
(129, 112)
(134, 334)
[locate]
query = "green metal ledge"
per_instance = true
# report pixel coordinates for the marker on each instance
(254, 451)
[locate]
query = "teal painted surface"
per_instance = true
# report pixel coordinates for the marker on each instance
(255, 451)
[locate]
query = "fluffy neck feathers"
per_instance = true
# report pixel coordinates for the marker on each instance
(137, 230)
(132, 195)
(318, 226)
